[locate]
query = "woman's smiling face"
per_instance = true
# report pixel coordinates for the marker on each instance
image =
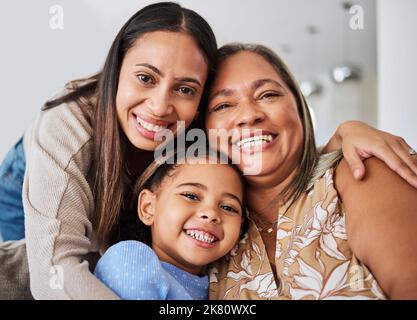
(161, 82)
(250, 99)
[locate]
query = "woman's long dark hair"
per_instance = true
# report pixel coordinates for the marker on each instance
(97, 98)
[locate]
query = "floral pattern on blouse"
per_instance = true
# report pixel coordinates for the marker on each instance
(313, 258)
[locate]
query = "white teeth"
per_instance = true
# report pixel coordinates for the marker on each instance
(254, 141)
(150, 127)
(201, 236)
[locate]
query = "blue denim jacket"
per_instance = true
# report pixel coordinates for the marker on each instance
(12, 171)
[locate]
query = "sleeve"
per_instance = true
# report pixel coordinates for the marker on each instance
(132, 270)
(57, 203)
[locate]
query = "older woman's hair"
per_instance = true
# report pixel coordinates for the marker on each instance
(309, 156)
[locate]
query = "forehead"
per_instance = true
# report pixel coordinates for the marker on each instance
(214, 176)
(244, 67)
(168, 50)
(197, 171)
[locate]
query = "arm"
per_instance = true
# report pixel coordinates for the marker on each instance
(132, 270)
(57, 202)
(381, 221)
(360, 141)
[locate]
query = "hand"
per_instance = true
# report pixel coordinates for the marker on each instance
(360, 141)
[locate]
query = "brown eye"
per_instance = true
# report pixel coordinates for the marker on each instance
(229, 208)
(221, 107)
(190, 196)
(186, 91)
(269, 95)
(146, 79)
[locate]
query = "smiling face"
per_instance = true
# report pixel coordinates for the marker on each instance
(161, 81)
(195, 214)
(249, 98)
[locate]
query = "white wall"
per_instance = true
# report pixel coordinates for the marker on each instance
(397, 67)
(36, 61)
(351, 100)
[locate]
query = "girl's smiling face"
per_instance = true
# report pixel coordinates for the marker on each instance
(195, 214)
(161, 82)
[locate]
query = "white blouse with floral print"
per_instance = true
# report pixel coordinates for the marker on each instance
(313, 258)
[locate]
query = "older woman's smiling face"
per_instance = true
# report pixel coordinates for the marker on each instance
(248, 95)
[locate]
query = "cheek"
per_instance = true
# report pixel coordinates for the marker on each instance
(286, 116)
(215, 122)
(121, 90)
(164, 228)
(172, 211)
(294, 122)
(218, 130)
(127, 95)
(233, 230)
(121, 112)
(187, 111)
(295, 130)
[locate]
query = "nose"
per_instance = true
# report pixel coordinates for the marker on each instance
(210, 215)
(249, 114)
(160, 103)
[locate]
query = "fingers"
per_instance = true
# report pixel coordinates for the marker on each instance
(403, 151)
(355, 162)
(391, 149)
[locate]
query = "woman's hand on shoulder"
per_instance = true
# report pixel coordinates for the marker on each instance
(360, 141)
(381, 222)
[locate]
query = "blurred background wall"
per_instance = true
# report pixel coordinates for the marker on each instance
(377, 38)
(397, 68)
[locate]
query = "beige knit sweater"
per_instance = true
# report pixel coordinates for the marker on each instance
(58, 202)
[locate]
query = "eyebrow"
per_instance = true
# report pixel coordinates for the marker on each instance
(153, 68)
(254, 85)
(203, 187)
(161, 74)
(259, 83)
(188, 79)
(222, 92)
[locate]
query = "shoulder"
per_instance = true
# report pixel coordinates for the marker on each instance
(129, 256)
(381, 188)
(132, 252)
(133, 271)
(69, 113)
(66, 122)
(380, 181)
(60, 132)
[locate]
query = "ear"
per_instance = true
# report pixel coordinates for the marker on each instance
(146, 206)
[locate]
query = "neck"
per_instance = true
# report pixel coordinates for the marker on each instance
(137, 160)
(265, 196)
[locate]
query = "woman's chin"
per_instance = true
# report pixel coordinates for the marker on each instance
(144, 144)
(250, 168)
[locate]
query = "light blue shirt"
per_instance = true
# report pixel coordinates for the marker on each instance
(133, 271)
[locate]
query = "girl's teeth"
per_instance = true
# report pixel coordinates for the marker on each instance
(254, 141)
(148, 126)
(201, 236)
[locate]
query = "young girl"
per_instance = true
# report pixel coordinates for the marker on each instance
(191, 215)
